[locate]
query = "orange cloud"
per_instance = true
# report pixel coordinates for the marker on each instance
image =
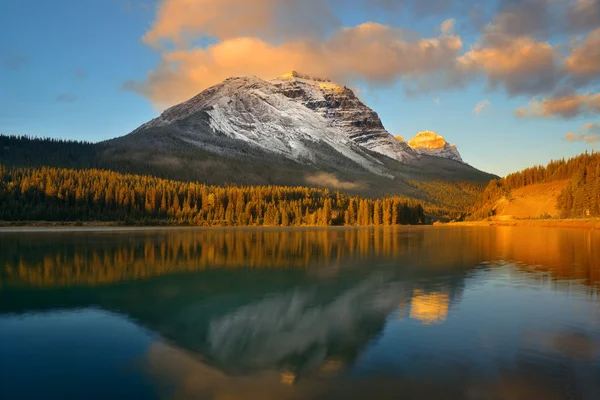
(580, 137)
(370, 51)
(268, 37)
(590, 127)
(181, 20)
(521, 65)
(566, 106)
(448, 25)
(584, 60)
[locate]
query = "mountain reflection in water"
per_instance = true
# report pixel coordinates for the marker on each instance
(481, 313)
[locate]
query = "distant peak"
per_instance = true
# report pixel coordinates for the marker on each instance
(400, 138)
(431, 143)
(427, 140)
(299, 75)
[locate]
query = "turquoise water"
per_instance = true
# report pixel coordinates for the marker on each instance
(445, 313)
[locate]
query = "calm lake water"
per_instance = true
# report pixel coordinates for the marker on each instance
(432, 312)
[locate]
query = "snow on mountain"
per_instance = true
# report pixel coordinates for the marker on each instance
(303, 118)
(344, 110)
(257, 112)
(432, 144)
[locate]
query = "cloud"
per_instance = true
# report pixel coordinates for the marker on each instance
(330, 180)
(521, 47)
(584, 60)
(349, 53)
(516, 18)
(14, 61)
(80, 74)
(580, 137)
(591, 128)
(179, 20)
(436, 100)
(448, 26)
(66, 98)
(565, 106)
(479, 107)
(588, 133)
(514, 51)
(583, 14)
(521, 65)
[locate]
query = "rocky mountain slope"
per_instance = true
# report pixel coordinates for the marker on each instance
(292, 130)
(432, 144)
(342, 109)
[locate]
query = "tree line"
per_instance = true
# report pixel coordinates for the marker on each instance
(58, 194)
(579, 198)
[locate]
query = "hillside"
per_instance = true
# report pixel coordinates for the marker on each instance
(531, 201)
(564, 189)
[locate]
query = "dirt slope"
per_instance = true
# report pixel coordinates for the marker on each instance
(530, 201)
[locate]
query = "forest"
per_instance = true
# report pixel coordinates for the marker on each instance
(442, 199)
(58, 194)
(579, 198)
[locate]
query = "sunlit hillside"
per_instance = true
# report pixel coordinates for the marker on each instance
(563, 189)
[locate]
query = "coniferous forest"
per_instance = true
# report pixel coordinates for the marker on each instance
(57, 194)
(579, 198)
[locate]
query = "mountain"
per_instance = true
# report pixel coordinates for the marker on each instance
(294, 130)
(432, 144)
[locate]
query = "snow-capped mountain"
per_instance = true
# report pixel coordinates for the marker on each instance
(292, 130)
(430, 143)
(287, 113)
(344, 110)
(267, 115)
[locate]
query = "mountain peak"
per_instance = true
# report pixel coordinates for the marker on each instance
(299, 75)
(430, 143)
(427, 140)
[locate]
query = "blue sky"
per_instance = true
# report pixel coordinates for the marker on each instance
(82, 70)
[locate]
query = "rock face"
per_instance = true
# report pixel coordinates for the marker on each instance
(432, 144)
(288, 116)
(264, 115)
(340, 106)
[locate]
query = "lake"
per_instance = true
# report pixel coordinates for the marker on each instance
(407, 312)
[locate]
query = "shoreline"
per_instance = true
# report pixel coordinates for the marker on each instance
(588, 223)
(113, 226)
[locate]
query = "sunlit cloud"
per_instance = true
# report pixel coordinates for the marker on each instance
(584, 60)
(580, 137)
(520, 65)
(181, 21)
(349, 53)
(448, 26)
(588, 133)
(480, 106)
(525, 48)
(567, 106)
(591, 127)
